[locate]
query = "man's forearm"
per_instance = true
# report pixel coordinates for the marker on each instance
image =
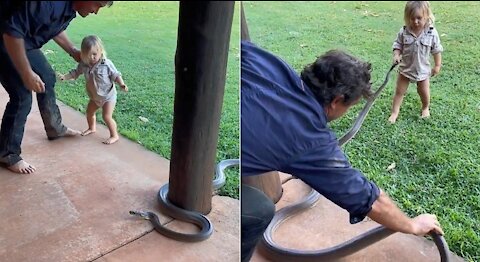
(16, 50)
(64, 42)
(385, 211)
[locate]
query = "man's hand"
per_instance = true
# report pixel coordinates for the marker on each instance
(76, 55)
(423, 224)
(384, 211)
(16, 50)
(33, 82)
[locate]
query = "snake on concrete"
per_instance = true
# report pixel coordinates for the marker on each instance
(197, 218)
(279, 253)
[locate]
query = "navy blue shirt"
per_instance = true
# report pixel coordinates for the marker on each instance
(37, 22)
(284, 128)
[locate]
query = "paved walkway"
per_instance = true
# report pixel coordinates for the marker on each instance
(326, 225)
(75, 207)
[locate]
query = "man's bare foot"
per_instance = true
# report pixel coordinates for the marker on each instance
(111, 140)
(71, 132)
(22, 167)
(425, 113)
(68, 133)
(392, 119)
(88, 132)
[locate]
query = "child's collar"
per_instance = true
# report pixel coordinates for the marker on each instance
(427, 30)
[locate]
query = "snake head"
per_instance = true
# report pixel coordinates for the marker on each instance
(141, 214)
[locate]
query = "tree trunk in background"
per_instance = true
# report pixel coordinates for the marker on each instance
(200, 70)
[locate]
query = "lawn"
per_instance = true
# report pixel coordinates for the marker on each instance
(140, 38)
(437, 161)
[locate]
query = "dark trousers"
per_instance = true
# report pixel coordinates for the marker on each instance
(257, 212)
(20, 104)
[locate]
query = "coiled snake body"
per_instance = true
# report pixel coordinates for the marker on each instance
(278, 253)
(206, 228)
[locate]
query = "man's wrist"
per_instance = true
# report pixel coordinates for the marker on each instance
(73, 51)
(412, 227)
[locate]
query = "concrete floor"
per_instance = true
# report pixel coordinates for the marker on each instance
(326, 225)
(75, 207)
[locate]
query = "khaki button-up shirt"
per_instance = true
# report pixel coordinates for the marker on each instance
(415, 64)
(99, 79)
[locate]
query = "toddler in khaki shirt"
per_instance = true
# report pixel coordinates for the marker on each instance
(100, 77)
(411, 49)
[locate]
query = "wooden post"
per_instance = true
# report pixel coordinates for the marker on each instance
(269, 182)
(244, 34)
(200, 70)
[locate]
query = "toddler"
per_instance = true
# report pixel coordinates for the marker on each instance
(100, 76)
(412, 48)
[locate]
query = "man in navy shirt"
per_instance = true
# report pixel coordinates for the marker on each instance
(25, 27)
(284, 128)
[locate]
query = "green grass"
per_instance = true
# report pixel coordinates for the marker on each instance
(437, 159)
(140, 38)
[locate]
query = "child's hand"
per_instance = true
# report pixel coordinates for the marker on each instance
(435, 70)
(396, 59)
(61, 77)
(124, 87)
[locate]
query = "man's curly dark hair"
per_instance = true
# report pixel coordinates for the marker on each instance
(337, 73)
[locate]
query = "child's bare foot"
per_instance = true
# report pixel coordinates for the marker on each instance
(88, 132)
(22, 167)
(392, 119)
(425, 113)
(111, 140)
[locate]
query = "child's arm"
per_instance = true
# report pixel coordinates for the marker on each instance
(436, 51)
(115, 75)
(398, 47)
(438, 63)
(119, 81)
(396, 56)
(73, 74)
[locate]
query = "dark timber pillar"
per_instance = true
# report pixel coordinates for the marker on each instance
(243, 24)
(200, 69)
(269, 182)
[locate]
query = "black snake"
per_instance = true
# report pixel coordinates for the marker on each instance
(206, 228)
(278, 253)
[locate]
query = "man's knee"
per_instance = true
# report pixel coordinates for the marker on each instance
(47, 100)
(267, 211)
(21, 104)
(48, 77)
(257, 209)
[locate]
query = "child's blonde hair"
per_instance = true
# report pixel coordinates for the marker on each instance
(423, 6)
(88, 43)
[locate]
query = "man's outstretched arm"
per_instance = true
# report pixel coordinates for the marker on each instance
(385, 211)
